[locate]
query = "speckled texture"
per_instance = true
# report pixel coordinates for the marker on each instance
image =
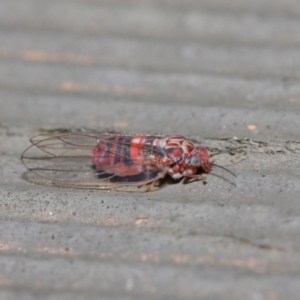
(223, 72)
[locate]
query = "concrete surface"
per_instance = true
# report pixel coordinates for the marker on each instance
(222, 72)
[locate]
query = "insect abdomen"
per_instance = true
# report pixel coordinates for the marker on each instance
(122, 152)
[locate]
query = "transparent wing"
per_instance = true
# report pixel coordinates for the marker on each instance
(67, 160)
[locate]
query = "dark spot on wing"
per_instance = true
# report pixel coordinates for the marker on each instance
(133, 178)
(147, 147)
(108, 148)
(147, 175)
(148, 142)
(117, 157)
(126, 143)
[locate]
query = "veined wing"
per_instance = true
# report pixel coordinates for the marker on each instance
(67, 160)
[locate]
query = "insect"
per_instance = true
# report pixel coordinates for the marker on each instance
(105, 161)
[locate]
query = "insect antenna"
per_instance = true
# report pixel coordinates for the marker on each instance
(221, 167)
(227, 180)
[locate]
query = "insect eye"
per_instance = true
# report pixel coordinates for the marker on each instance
(195, 161)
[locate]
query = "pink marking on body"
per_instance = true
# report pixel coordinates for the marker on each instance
(138, 140)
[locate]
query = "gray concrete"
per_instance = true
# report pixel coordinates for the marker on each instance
(223, 72)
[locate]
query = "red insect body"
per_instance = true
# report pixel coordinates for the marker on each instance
(108, 160)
